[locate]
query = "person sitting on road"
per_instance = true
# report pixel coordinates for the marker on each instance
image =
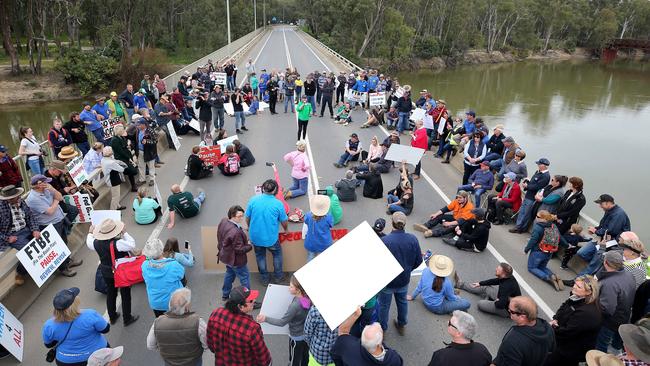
(346, 187)
(481, 181)
(462, 350)
(436, 288)
(450, 216)
(508, 197)
(162, 276)
(172, 250)
(335, 206)
(196, 167)
(183, 203)
(254, 107)
(401, 198)
(246, 157)
(545, 240)
(146, 209)
(229, 162)
(472, 234)
(393, 138)
(375, 117)
(352, 151)
(342, 115)
(373, 186)
(495, 292)
(391, 118)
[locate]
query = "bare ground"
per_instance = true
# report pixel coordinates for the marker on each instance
(29, 88)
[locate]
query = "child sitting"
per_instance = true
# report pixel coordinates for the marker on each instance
(342, 115)
(572, 237)
(229, 162)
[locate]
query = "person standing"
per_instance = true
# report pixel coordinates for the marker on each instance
(31, 150)
(205, 114)
(124, 152)
(462, 351)
(419, 139)
(272, 88)
(91, 119)
(340, 89)
(58, 137)
(147, 151)
(263, 214)
(404, 106)
(406, 250)
(320, 338)
(310, 92)
(538, 181)
(126, 97)
(326, 98)
(237, 99)
(232, 248)
(217, 99)
(290, 87)
(113, 171)
(304, 111)
(9, 171)
(77, 130)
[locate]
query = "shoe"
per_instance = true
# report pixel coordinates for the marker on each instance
(74, 262)
(449, 241)
(131, 320)
(238, 131)
(281, 281)
(419, 227)
(68, 272)
(416, 177)
(338, 165)
(498, 222)
(446, 161)
(558, 282)
(564, 267)
(514, 230)
(19, 280)
(114, 320)
(287, 195)
(428, 234)
(388, 212)
(244, 128)
(475, 250)
(160, 162)
(568, 283)
(321, 116)
(553, 283)
(224, 298)
(346, 123)
(400, 328)
(121, 208)
(157, 165)
(457, 282)
(265, 282)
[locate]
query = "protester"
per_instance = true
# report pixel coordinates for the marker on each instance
(462, 351)
(473, 234)
(473, 154)
(568, 210)
(346, 187)
(401, 198)
(83, 329)
(93, 159)
(228, 163)
(545, 240)
(77, 130)
(342, 115)
(419, 139)
(517, 166)
(146, 151)
(233, 335)
(480, 181)
(335, 206)
(217, 99)
(92, 121)
(9, 171)
(246, 157)
(113, 176)
(205, 113)
(538, 181)
(352, 151)
(162, 276)
(232, 248)
(58, 137)
(124, 151)
(237, 98)
(508, 198)
(372, 186)
(316, 230)
(183, 203)
(496, 292)
(548, 198)
(404, 107)
(635, 263)
(179, 334)
(106, 357)
(450, 216)
(172, 250)
(436, 288)
(197, 168)
(320, 338)
(31, 150)
(115, 107)
(146, 209)
(126, 97)
(304, 111)
(300, 166)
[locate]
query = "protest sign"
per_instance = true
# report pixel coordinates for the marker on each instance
(173, 136)
(83, 204)
(418, 114)
(109, 126)
(194, 124)
(11, 333)
(42, 256)
(97, 216)
(218, 77)
(77, 171)
(294, 254)
(348, 273)
(230, 110)
(441, 125)
(358, 97)
(263, 106)
(276, 302)
(428, 121)
(398, 152)
(224, 143)
(399, 92)
(210, 154)
(377, 99)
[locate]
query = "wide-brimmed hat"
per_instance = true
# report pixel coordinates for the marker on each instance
(10, 191)
(153, 248)
(68, 152)
(58, 164)
(599, 358)
(441, 266)
(637, 339)
(108, 229)
(319, 205)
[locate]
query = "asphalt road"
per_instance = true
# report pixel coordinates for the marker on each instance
(269, 138)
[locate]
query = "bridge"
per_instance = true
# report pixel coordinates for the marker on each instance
(611, 49)
(269, 138)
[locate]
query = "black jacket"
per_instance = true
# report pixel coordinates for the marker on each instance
(310, 88)
(404, 105)
(569, 209)
(508, 288)
(246, 157)
(526, 345)
(495, 144)
(205, 109)
(77, 137)
(471, 354)
(578, 326)
(373, 186)
(476, 233)
(194, 166)
(537, 181)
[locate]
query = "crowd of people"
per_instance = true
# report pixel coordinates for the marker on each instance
(605, 310)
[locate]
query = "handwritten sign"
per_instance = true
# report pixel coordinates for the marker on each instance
(377, 99)
(218, 77)
(109, 126)
(210, 154)
(11, 333)
(84, 206)
(41, 257)
(358, 97)
(77, 171)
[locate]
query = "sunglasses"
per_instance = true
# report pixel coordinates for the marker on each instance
(451, 325)
(512, 312)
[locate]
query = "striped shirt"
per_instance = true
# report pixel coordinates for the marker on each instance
(637, 268)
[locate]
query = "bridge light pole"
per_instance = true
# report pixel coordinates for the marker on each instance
(228, 18)
(255, 12)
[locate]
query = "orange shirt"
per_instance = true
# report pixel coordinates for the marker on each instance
(461, 212)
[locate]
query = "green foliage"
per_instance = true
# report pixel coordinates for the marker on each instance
(426, 47)
(90, 70)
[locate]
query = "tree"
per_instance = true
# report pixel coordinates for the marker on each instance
(6, 37)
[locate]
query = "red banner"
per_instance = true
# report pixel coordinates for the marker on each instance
(210, 154)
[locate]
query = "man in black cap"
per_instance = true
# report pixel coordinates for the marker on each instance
(472, 234)
(538, 181)
(379, 226)
(352, 151)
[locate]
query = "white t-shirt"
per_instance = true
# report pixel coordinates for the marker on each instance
(31, 147)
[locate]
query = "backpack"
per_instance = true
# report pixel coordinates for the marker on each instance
(550, 242)
(232, 164)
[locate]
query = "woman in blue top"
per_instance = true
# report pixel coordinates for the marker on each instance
(436, 288)
(161, 275)
(317, 226)
(172, 250)
(76, 333)
(146, 209)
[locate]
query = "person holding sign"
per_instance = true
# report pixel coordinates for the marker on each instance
(420, 140)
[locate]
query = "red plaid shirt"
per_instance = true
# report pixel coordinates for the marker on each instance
(236, 340)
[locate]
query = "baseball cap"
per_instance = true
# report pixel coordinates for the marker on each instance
(240, 295)
(399, 217)
(485, 162)
(478, 212)
(471, 113)
(103, 356)
(379, 225)
(605, 198)
(64, 298)
(3, 148)
(39, 178)
(543, 161)
(142, 91)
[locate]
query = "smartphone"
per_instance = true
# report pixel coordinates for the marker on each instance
(322, 191)
(269, 164)
(187, 244)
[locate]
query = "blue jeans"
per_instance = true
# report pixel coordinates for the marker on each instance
(312, 100)
(347, 157)
(262, 90)
(299, 187)
(35, 166)
(260, 257)
(537, 262)
(99, 135)
(393, 207)
(491, 156)
(240, 119)
(523, 218)
(604, 338)
(496, 164)
(289, 101)
(199, 199)
(232, 272)
(230, 82)
(84, 147)
(448, 306)
(590, 254)
(477, 192)
(391, 122)
(385, 298)
(403, 123)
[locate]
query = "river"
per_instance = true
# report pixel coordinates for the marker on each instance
(587, 118)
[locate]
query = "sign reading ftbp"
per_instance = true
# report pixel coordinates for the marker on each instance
(42, 256)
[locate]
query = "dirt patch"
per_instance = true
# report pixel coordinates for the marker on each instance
(28, 88)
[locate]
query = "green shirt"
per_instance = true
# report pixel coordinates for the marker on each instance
(304, 110)
(183, 203)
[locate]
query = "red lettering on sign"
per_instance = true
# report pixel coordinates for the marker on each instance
(18, 338)
(48, 259)
(297, 235)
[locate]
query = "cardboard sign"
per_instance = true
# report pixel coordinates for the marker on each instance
(172, 134)
(194, 124)
(41, 257)
(427, 121)
(224, 143)
(11, 333)
(276, 301)
(109, 126)
(294, 254)
(77, 171)
(441, 125)
(210, 154)
(219, 77)
(357, 97)
(263, 105)
(377, 99)
(230, 110)
(348, 273)
(398, 152)
(84, 206)
(418, 114)
(97, 216)
(399, 92)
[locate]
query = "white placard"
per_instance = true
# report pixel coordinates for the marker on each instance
(427, 121)
(398, 152)
(276, 302)
(11, 333)
(377, 99)
(399, 92)
(100, 215)
(441, 125)
(77, 171)
(83, 204)
(223, 143)
(108, 125)
(263, 105)
(418, 271)
(195, 124)
(348, 273)
(418, 114)
(172, 134)
(230, 110)
(219, 77)
(358, 97)
(41, 257)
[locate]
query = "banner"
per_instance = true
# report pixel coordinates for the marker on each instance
(418, 114)
(83, 204)
(109, 125)
(11, 333)
(218, 77)
(174, 137)
(377, 99)
(77, 171)
(98, 216)
(357, 97)
(42, 256)
(210, 154)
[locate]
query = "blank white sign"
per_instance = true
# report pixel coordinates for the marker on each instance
(398, 152)
(97, 216)
(276, 302)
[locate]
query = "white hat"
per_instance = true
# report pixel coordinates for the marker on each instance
(319, 205)
(103, 356)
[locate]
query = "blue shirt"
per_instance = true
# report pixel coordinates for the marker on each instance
(429, 296)
(162, 277)
(483, 177)
(144, 212)
(140, 101)
(469, 127)
(84, 337)
(318, 236)
(89, 116)
(265, 213)
(41, 202)
(102, 109)
(255, 105)
(406, 250)
(140, 137)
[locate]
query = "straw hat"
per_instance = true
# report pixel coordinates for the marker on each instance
(10, 191)
(58, 164)
(441, 266)
(636, 338)
(108, 229)
(319, 205)
(68, 152)
(599, 358)
(153, 248)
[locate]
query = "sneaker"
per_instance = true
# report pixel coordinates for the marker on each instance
(74, 262)
(446, 161)
(338, 165)
(514, 230)
(121, 208)
(238, 131)
(244, 128)
(68, 272)
(160, 162)
(224, 298)
(420, 227)
(131, 320)
(449, 241)
(114, 319)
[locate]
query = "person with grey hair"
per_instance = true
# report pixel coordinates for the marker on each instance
(462, 351)
(162, 276)
(179, 322)
(346, 187)
(369, 350)
(113, 175)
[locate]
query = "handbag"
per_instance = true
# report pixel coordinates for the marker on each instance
(51, 354)
(100, 284)
(127, 273)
